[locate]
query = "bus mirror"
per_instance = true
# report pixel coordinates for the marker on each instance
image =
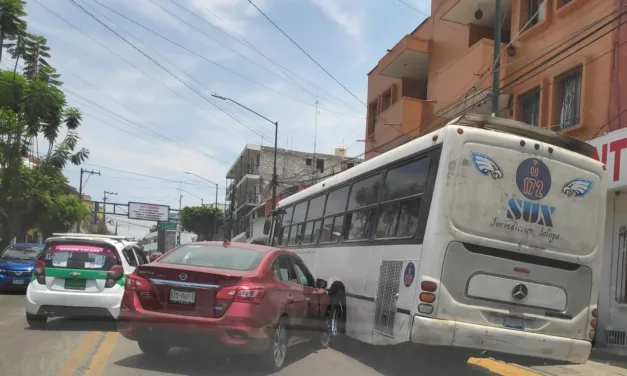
(321, 283)
(266, 226)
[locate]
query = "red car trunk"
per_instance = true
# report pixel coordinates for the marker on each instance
(186, 290)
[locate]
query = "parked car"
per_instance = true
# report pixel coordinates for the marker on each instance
(17, 262)
(242, 297)
(80, 275)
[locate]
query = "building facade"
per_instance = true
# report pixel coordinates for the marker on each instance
(251, 174)
(612, 326)
(554, 73)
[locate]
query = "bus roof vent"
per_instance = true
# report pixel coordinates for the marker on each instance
(525, 130)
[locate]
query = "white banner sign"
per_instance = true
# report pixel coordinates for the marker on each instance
(148, 212)
(610, 150)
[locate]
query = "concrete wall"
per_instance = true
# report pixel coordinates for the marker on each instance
(291, 164)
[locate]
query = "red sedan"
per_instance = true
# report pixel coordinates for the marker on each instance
(244, 297)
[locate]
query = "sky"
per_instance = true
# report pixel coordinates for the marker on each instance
(148, 114)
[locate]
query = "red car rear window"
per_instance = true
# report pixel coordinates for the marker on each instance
(80, 256)
(214, 256)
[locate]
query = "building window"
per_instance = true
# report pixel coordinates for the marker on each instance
(569, 98)
(308, 161)
(536, 11)
(320, 165)
(372, 117)
(350, 165)
(530, 107)
(386, 100)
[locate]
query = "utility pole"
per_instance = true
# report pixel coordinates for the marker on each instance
(178, 226)
(80, 191)
(496, 80)
(104, 205)
(315, 162)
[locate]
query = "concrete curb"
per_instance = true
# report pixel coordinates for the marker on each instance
(501, 368)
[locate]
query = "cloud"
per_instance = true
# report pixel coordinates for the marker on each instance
(348, 18)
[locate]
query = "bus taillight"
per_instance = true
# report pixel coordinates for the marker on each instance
(428, 286)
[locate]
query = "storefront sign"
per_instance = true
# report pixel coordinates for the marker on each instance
(611, 149)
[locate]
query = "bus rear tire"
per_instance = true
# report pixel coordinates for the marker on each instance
(337, 318)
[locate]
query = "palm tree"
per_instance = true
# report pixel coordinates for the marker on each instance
(11, 23)
(17, 49)
(36, 54)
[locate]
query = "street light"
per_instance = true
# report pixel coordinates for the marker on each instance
(200, 198)
(208, 181)
(215, 226)
(276, 131)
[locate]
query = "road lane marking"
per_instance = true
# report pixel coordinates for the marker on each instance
(501, 368)
(102, 354)
(78, 355)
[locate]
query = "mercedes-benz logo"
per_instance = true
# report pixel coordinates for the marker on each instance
(183, 276)
(519, 292)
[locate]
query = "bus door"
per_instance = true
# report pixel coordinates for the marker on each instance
(396, 291)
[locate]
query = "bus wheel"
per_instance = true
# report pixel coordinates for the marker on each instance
(337, 319)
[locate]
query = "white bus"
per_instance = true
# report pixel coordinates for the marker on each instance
(485, 234)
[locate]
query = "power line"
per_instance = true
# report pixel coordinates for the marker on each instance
(120, 56)
(461, 113)
(160, 65)
(249, 45)
(96, 107)
(211, 61)
(289, 80)
(305, 52)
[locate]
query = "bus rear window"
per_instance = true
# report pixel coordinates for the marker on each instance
(80, 256)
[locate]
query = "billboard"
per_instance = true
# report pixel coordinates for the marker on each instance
(148, 212)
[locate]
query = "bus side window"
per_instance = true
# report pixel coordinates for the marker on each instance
(362, 208)
(401, 198)
(334, 215)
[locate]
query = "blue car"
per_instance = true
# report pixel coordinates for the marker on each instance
(16, 265)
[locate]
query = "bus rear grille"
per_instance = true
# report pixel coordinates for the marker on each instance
(615, 338)
(385, 302)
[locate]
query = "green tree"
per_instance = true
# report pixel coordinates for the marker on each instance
(202, 220)
(32, 106)
(61, 214)
(11, 22)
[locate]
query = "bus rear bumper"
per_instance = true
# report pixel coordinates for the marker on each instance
(437, 332)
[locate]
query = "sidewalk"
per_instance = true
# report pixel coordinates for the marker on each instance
(603, 362)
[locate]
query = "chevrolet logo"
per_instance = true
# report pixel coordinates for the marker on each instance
(74, 274)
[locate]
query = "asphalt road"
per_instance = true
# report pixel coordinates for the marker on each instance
(91, 348)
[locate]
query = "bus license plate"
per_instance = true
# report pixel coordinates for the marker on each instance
(182, 297)
(513, 322)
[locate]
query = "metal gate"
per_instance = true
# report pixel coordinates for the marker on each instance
(387, 292)
(620, 280)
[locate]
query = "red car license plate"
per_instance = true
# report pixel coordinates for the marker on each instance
(182, 296)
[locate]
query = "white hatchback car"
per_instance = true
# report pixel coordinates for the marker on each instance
(81, 275)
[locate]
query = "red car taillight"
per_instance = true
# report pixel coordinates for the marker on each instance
(40, 272)
(242, 293)
(250, 294)
(114, 275)
(136, 283)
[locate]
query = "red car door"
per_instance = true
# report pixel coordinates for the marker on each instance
(291, 293)
(312, 297)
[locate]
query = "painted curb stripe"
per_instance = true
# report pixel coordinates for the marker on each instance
(501, 368)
